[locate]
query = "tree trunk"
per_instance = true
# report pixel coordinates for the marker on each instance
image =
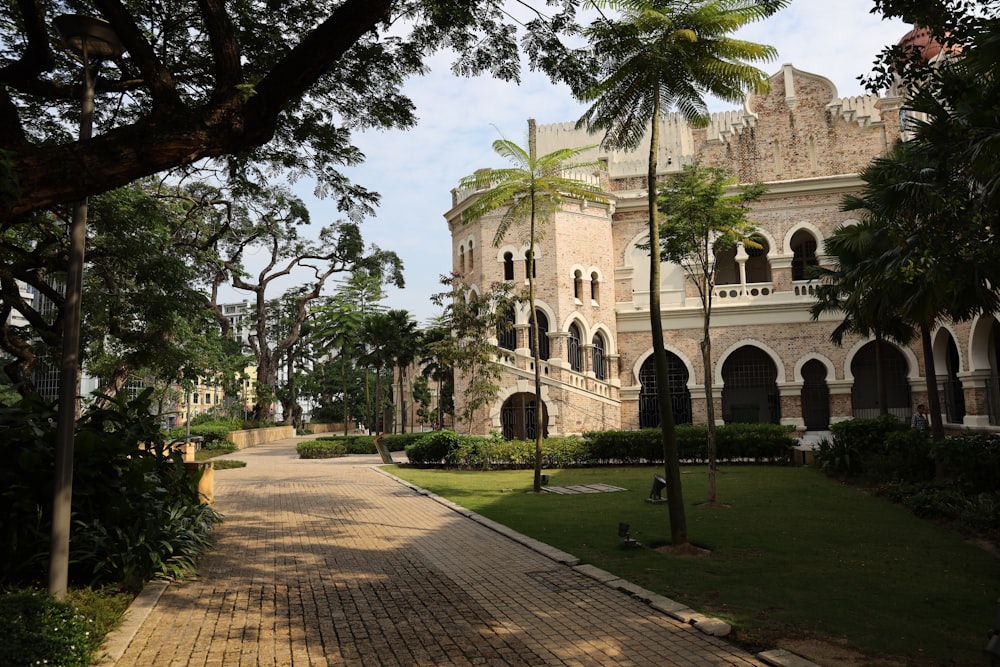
(930, 373)
(706, 363)
(668, 431)
(535, 352)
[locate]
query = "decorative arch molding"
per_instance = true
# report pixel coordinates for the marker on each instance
(605, 332)
(772, 245)
(472, 291)
(523, 312)
(979, 342)
(523, 386)
(641, 359)
(831, 369)
(913, 367)
(939, 345)
(779, 365)
(589, 274)
(631, 248)
(580, 321)
(786, 248)
(512, 249)
(524, 249)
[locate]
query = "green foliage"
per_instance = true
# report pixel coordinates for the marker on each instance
(353, 444)
(398, 442)
(855, 443)
(213, 431)
(40, 630)
(229, 464)
(738, 443)
(321, 449)
(971, 459)
(136, 512)
(976, 512)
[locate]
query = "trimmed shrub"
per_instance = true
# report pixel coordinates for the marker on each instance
(40, 630)
(432, 448)
(860, 447)
(353, 444)
(756, 443)
(320, 449)
(398, 442)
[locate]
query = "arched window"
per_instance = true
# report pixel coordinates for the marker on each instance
(573, 348)
(727, 271)
(600, 372)
(543, 337)
(461, 259)
(508, 266)
(595, 287)
(578, 285)
(758, 267)
(472, 261)
(529, 261)
(803, 254)
(506, 334)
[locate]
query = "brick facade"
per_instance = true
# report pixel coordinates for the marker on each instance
(770, 360)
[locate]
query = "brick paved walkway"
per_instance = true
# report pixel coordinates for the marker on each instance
(333, 563)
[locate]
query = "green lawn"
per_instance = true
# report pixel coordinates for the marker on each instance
(795, 555)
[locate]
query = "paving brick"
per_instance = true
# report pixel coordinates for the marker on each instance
(330, 562)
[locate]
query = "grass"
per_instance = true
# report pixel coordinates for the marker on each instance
(795, 555)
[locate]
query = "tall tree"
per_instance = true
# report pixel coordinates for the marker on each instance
(270, 222)
(222, 80)
(471, 319)
(661, 55)
(408, 343)
(700, 220)
(530, 194)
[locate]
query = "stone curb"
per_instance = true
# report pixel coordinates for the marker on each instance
(117, 641)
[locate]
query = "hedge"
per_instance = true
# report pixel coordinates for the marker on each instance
(318, 449)
(743, 443)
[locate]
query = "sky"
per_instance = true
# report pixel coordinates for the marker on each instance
(459, 119)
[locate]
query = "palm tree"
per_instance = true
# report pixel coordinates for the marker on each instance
(854, 287)
(531, 192)
(662, 55)
(408, 341)
(920, 198)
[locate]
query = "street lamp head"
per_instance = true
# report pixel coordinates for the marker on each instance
(78, 31)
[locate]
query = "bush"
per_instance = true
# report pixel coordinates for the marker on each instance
(136, 512)
(320, 449)
(432, 448)
(353, 444)
(40, 630)
(971, 459)
(734, 443)
(398, 442)
(860, 447)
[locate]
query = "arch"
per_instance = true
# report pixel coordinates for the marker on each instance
(543, 335)
(461, 258)
(472, 261)
(506, 333)
(524, 386)
(981, 335)
(518, 417)
(578, 284)
(831, 369)
(758, 265)
(574, 343)
(786, 246)
(678, 378)
(815, 395)
(609, 339)
(508, 266)
(947, 365)
(868, 393)
(595, 287)
(670, 349)
(779, 365)
(804, 246)
(599, 356)
(911, 360)
(750, 386)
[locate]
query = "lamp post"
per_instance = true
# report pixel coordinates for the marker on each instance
(91, 40)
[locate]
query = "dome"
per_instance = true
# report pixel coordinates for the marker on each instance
(929, 48)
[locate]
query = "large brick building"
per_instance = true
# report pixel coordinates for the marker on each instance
(771, 361)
